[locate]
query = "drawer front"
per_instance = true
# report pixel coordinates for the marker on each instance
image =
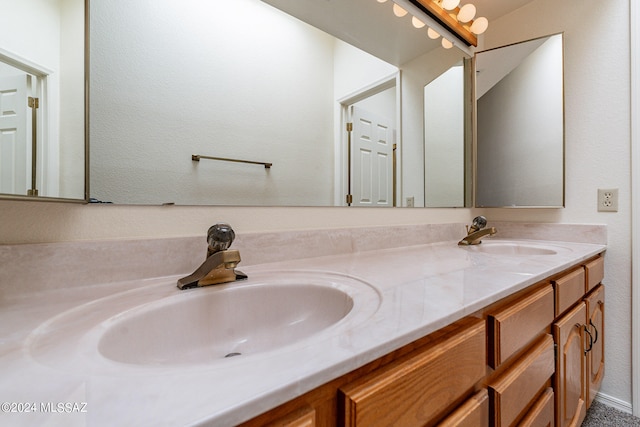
(516, 388)
(422, 386)
(472, 413)
(569, 290)
(513, 327)
(542, 413)
(305, 417)
(595, 272)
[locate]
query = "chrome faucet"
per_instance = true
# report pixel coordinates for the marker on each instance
(220, 264)
(477, 231)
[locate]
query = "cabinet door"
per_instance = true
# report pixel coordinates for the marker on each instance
(472, 413)
(570, 367)
(420, 388)
(595, 357)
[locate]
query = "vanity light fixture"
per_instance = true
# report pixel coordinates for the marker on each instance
(399, 11)
(417, 23)
(459, 19)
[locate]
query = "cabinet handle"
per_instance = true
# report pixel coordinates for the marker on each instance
(590, 340)
(595, 340)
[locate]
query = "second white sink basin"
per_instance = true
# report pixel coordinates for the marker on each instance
(231, 322)
(512, 248)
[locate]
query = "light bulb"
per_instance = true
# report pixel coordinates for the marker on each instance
(450, 4)
(480, 25)
(382, 1)
(417, 23)
(398, 11)
(433, 34)
(467, 12)
(446, 43)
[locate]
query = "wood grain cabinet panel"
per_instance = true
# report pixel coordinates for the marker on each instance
(595, 357)
(420, 388)
(473, 413)
(542, 412)
(569, 289)
(304, 417)
(515, 389)
(570, 387)
(595, 272)
(514, 326)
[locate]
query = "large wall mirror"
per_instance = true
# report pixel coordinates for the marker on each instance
(520, 125)
(42, 133)
(177, 87)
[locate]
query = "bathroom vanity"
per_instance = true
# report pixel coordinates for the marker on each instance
(451, 378)
(353, 327)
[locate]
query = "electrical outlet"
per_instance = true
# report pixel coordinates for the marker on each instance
(608, 200)
(410, 202)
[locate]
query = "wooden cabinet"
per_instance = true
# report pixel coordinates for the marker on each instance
(516, 388)
(473, 413)
(303, 417)
(569, 289)
(516, 324)
(420, 388)
(595, 357)
(542, 413)
(570, 386)
(595, 272)
(534, 359)
(579, 336)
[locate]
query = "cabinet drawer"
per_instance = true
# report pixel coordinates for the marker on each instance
(514, 390)
(472, 413)
(422, 386)
(569, 290)
(541, 414)
(516, 325)
(304, 417)
(595, 272)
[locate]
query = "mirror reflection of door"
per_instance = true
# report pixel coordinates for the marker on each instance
(15, 131)
(372, 158)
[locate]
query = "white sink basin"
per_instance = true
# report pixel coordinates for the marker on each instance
(205, 326)
(512, 248)
(158, 325)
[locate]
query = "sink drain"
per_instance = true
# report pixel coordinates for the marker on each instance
(233, 354)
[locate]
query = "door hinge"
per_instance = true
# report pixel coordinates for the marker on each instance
(349, 127)
(34, 102)
(349, 199)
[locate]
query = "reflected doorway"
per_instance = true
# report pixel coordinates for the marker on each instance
(370, 145)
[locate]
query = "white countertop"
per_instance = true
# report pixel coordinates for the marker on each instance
(421, 288)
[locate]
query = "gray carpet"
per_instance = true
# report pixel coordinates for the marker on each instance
(601, 415)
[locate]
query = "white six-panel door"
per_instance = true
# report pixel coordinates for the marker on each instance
(372, 159)
(14, 173)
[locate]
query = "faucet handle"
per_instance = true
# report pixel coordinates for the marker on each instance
(219, 237)
(479, 222)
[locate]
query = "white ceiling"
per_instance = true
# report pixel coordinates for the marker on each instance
(372, 27)
(492, 9)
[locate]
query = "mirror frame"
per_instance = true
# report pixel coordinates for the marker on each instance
(475, 129)
(85, 199)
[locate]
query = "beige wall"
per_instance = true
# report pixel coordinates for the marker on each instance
(597, 138)
(597, 156)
